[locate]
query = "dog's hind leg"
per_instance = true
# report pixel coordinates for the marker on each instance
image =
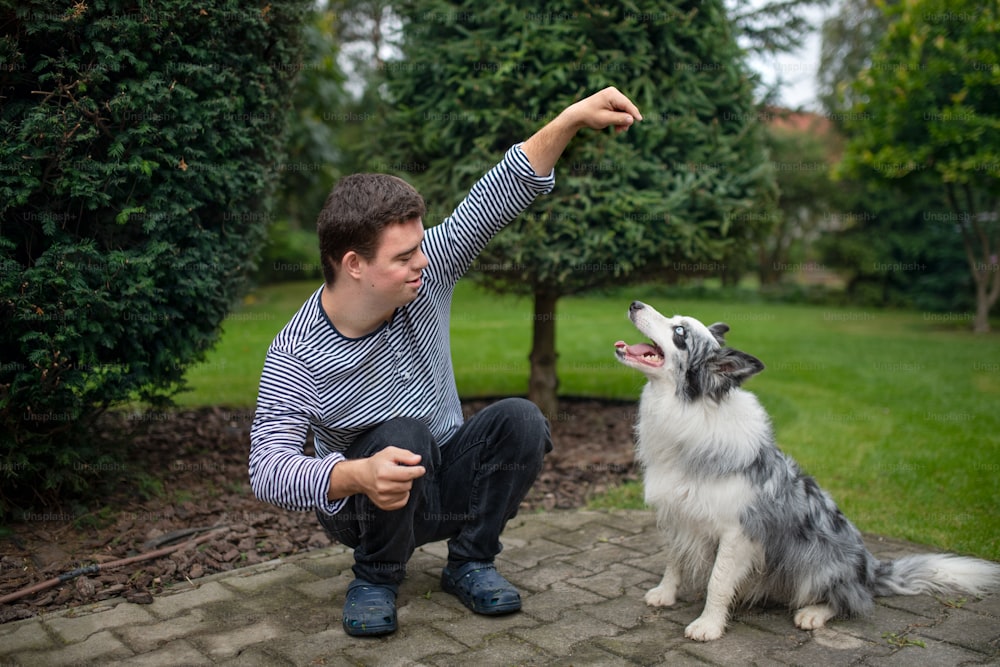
(664, 594)
(735, 559)
(814, 616)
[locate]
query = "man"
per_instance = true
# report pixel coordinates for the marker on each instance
(366, 366)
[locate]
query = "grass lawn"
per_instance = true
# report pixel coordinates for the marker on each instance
(895, 413)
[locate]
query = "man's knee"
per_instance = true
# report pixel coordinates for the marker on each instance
(524, 430)
(526, 418)
(405, 433)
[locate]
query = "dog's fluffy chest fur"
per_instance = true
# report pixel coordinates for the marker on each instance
(693, 456)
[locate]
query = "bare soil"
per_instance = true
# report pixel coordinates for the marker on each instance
(194, 466)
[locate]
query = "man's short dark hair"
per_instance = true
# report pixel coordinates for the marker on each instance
(356, 211)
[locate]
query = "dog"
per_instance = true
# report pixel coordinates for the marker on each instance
(741, 520)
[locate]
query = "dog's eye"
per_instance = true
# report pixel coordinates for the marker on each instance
(679, 330)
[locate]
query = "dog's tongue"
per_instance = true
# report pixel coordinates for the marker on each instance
(637, 350)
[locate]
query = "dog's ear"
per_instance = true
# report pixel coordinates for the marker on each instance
(719, 330)
(735, 365)
(725, 370)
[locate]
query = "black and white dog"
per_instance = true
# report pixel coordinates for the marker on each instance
(742, 521)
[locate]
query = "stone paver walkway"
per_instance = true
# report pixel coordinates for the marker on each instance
(582, 576)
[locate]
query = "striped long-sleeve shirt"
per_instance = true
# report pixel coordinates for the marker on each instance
(316, 379)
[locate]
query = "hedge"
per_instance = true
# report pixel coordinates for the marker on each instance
(139, 147)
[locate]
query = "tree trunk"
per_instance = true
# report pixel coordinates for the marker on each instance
(982, 322)
(543, 382)
(987, 285)
(987, 292)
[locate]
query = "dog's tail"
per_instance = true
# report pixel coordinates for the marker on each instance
(936, 574)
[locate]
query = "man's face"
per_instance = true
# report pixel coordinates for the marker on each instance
(393, 275)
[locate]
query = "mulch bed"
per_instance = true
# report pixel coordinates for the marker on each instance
(200, 458)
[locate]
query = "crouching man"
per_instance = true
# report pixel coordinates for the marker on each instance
(365, 365)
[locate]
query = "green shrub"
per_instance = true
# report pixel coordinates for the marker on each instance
(139, 147)
(289, 255)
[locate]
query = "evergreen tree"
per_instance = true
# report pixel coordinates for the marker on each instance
(660, 200)
(139, 148)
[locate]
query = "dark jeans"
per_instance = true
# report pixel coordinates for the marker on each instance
(473, 486)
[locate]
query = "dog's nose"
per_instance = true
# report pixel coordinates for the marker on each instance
(636, 305)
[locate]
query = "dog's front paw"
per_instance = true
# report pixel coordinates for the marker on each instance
(660, 597)
(813, 617)
(705, 629)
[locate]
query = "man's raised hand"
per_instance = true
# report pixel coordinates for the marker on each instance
(606, 108)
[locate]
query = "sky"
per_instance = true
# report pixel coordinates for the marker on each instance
(796, 70)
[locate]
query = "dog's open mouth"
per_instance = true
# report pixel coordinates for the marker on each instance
(643, 353)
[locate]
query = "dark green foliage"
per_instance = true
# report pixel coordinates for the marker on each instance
(139, 147)
(289, 254)
(802, 168)
(664, 200)
(899, 249)
(926, 115)
(315, 127)
(897, 241)
(477, 78)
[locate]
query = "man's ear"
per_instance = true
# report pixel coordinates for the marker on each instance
(351, 264)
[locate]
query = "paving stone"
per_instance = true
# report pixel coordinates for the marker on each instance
(742, 645)
(587, 537)
(327, 647)
(100, 648)
(76, 628)
(24, 636)
(559, 638)
(973, 631)
(328, 564)
(231, 642)
(436, 551)
(582, 576)
(931, 654)
(922, 605)
(263, 656)
(543, 575)
(536, 551)
(419, 583)
(424, 610)
(472, 630)
(568, 521)
(180, 652)
(414, 646)
(167, 606)
(644, 544)
(285, 575)
(325, 590)
(626, 611)
(989, 605)
(653, 563)
(598, 557)
(526, 528)
(648, 644)
(502, 651)
(150, 636)
(585, 654)
(831, 647)
(636, 522)
(612, 581)
(550, 604)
